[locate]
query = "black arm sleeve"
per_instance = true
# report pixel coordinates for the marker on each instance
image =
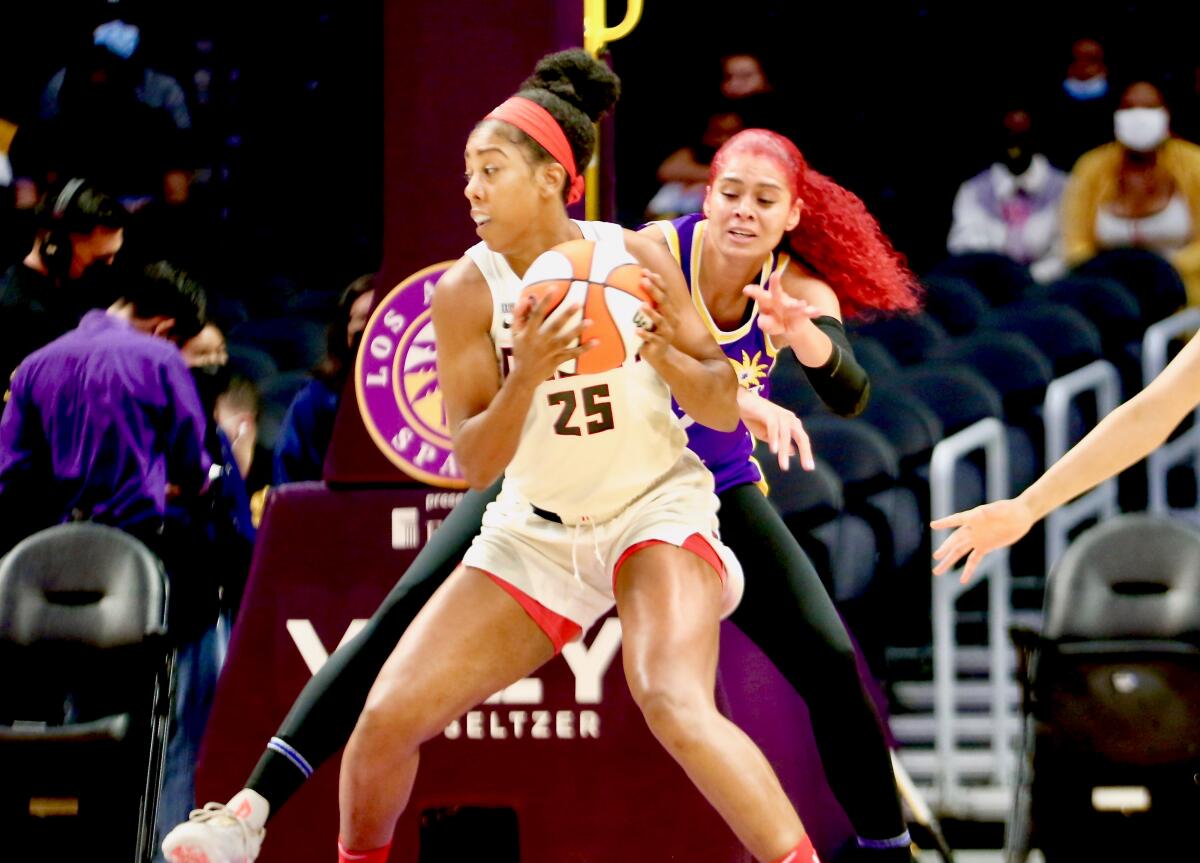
(841, 382)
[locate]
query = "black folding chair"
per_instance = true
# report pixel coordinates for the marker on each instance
(85, 694)
(1111, 698)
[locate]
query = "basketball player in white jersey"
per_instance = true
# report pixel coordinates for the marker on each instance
(575, 528)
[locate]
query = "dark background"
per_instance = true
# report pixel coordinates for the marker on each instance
(896, 100)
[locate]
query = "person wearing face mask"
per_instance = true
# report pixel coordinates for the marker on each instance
(308, 424)
(1087, 74)
(1012, 208)
(142, 154)
(210, 540)
(1078, 114)
(1140, 191)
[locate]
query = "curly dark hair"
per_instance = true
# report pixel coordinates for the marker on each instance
(577, 90)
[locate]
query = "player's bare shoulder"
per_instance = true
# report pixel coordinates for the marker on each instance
(462, 294)
(649, 251)
(802, 283)
(651, 232)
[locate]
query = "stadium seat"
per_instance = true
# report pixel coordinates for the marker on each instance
(955, 303)
(252, 363)
(875, 359)
(85, 694)
(277, 393)
(1151, 279)
(294, 343)
(999, 278)
(1112, 698)
(908, 339)
(1067, 338)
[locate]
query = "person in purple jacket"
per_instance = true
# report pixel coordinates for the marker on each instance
(104, 423)
(780, 254)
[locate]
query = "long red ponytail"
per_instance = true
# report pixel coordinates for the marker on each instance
(837, 237)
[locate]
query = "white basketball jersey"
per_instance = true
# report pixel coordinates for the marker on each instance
(591, 443)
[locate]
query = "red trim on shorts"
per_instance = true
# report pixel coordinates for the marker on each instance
(695, 543)
(558, 629)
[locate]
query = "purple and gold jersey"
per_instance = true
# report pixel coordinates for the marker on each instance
(729, 455)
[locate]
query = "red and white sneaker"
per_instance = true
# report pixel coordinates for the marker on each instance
(221, 833)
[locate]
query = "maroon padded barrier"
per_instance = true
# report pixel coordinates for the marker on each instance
(590, 784)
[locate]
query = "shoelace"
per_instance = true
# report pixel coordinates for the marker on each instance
(214, 811)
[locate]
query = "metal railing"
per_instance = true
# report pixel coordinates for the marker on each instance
(1100, 378)
(987, 435)
(1186, 447)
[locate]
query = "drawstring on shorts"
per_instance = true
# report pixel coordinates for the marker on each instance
(587, 519)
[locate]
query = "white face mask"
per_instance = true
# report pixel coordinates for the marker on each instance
(1141, 129)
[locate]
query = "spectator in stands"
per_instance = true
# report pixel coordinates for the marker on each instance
(1079, 114)
(684, 174)
(747, 99)
(109, 116)
(239, 410)
(80, 231)
(1012, 208)
(231, 401)
(1141, 190)
(7, 131)
(225, 524)
(207, 348)
(308, 424)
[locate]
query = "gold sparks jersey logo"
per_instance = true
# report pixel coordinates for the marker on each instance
(751, 370)
(395, 379)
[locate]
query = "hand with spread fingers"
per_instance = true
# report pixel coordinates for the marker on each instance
(780, 313)
(663, 319)
(541, 345)
(776, 426)
(978, 532)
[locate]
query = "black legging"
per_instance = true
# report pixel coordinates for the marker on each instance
(785, 611)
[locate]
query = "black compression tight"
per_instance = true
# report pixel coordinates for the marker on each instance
(788, 614)
(785, 611)
(326, 711)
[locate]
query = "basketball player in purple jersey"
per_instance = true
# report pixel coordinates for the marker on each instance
(778, 255)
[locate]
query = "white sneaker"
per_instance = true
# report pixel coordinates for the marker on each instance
(221, 833)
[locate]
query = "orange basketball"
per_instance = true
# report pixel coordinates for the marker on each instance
(605, 280)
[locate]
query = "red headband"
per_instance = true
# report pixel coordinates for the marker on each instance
(539, 124)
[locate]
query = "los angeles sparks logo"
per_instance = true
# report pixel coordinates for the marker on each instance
(395, 378)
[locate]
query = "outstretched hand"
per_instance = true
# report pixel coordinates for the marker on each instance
(779, 313)
(979, 531)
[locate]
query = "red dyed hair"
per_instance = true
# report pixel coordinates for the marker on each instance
(837, 237)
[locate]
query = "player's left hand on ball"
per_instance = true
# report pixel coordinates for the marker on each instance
(662, 317)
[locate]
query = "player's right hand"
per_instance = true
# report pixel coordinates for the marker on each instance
(777, 426)
(979, 531)
(542, 344)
